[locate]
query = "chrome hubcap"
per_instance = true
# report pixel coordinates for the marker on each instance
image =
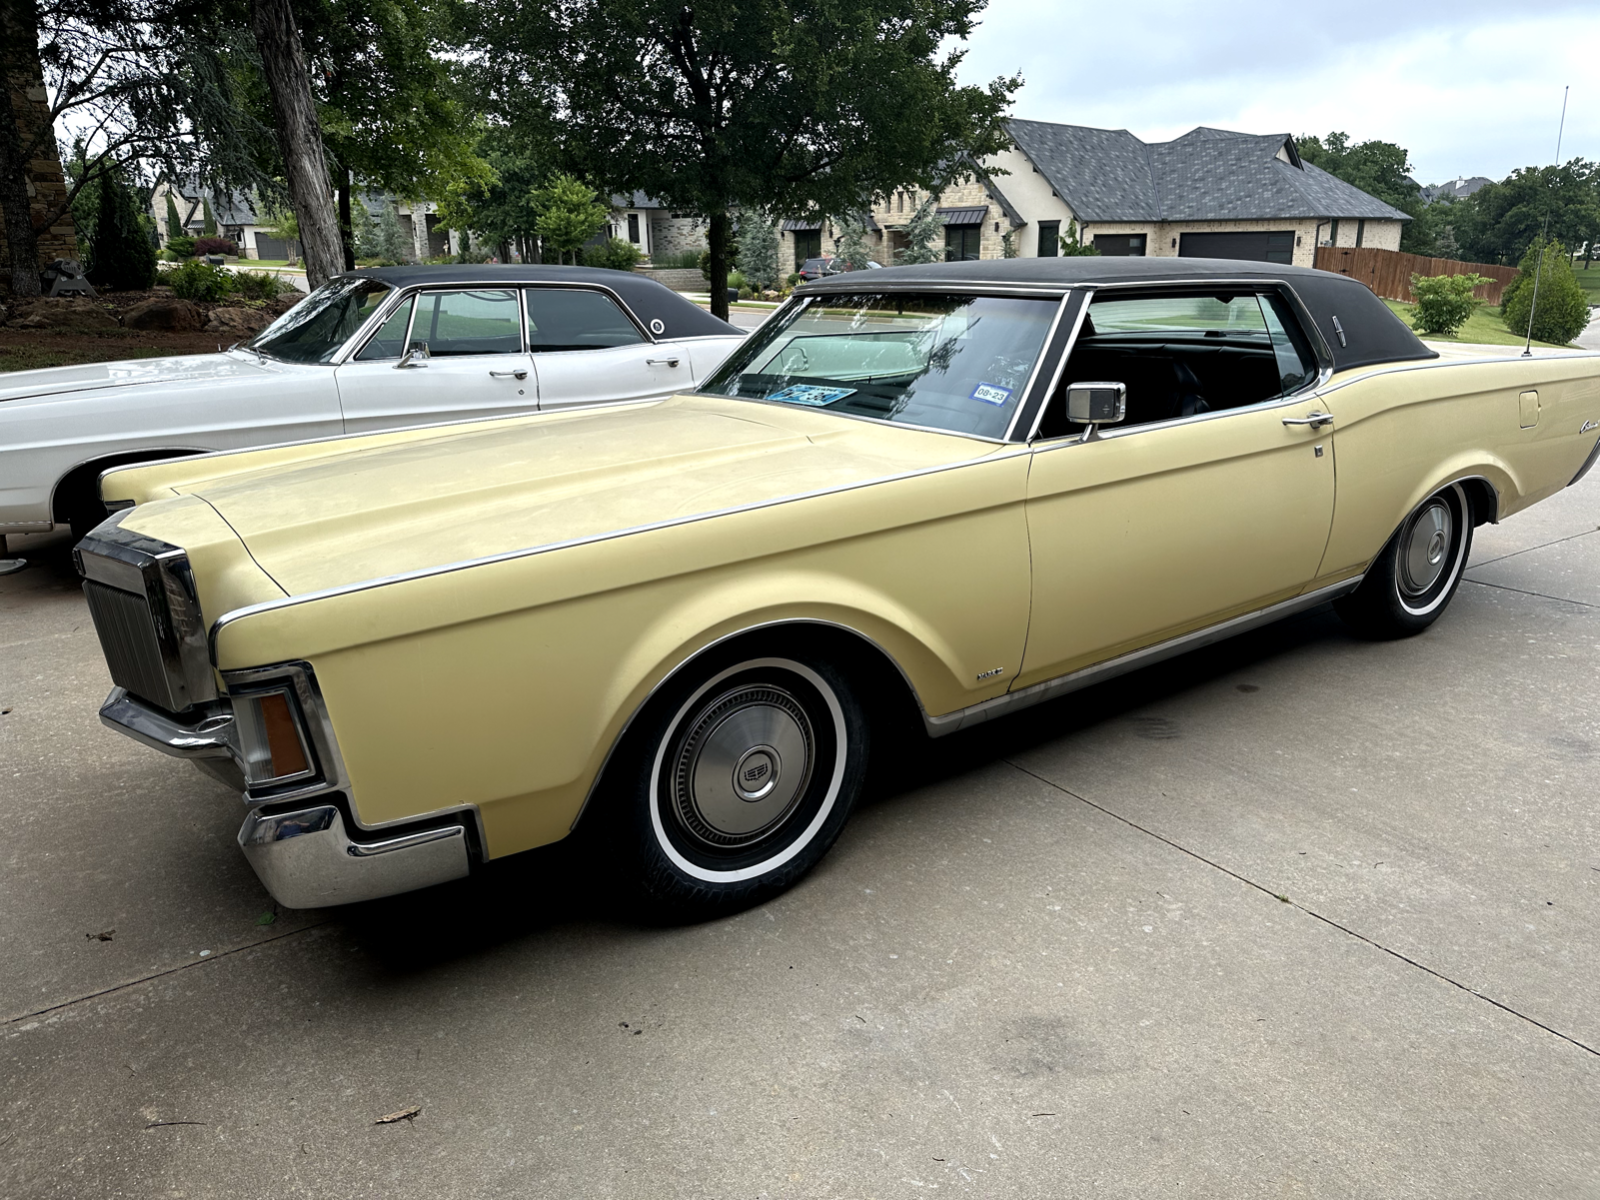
(743, 767)
(1425, 550)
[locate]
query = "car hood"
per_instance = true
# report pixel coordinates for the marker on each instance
(505, 486)
(191, 368)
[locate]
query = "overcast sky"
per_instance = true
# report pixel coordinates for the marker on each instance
(1469, 87)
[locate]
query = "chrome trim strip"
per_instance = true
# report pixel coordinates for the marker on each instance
(1061, 367)
(1038, 361)
(306, 859)
(1010, 451)
(1437, 364)
(987, 710)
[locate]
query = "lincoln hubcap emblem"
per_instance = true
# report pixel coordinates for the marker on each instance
(756, 773)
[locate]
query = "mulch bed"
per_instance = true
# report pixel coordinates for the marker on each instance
(28, 349)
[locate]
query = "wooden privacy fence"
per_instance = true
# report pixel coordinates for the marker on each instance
(1388, 272)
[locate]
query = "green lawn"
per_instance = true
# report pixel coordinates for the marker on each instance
(1484, 326)
(1590, 279)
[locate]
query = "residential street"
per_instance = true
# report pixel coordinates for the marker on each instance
(1293, 916)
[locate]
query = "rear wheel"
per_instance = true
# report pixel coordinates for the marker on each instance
(1416, 574)
(739, 782)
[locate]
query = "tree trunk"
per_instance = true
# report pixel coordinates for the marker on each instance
(718, 237)
(347, 235)
(20, 36)
(283, 61)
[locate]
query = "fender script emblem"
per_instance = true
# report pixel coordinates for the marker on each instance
(1588, 425)
(993, 673)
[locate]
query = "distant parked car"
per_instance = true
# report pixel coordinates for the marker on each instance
(814, 269)
(369, 350)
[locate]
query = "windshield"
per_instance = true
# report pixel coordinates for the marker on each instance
(958, 363)
(313, 330)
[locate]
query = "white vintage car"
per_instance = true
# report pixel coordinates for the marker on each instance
(370, 350)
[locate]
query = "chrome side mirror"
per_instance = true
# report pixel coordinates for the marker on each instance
(1096, 404)
(416, 355)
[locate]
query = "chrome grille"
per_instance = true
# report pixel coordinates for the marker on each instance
(142, 597)
(128, 637)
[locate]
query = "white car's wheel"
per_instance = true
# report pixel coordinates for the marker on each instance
(740, 780)
(1415, 576)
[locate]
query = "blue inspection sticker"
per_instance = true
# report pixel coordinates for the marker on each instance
(991, 393)
(810, 393)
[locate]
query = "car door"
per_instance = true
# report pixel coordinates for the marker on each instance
(587, 350)
(467, 361)
(1177, 522)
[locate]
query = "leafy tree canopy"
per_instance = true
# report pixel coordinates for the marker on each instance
(569, 214)
(790, 106)
(1500, 221)
(1382, 170)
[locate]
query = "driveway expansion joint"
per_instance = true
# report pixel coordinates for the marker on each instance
(1284, 899)
(1531, 549)
(1524, 592)
(165, 971)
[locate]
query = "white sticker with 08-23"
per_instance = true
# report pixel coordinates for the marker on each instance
(991, 393)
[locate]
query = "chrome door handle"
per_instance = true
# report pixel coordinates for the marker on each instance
(519, 373)
(1315, 420)
(658, 362)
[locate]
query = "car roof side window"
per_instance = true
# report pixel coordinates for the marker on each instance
(564, 319)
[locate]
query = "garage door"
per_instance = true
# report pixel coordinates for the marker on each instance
(1253, 247)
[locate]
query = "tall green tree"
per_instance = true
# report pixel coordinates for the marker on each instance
(924, 234)
(1382, 170)
(392, 116)
(121, 255)
(1499, 221)
(758, 249)
(498, 204)
(570, 213)
(174, 221)
(790, 106)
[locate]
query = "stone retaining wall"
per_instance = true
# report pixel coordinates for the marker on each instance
(679, 280)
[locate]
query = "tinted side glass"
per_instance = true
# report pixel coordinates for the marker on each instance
(468, 322)
(572, 319)
(390, 340)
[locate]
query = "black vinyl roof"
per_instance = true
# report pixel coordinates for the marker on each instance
(649, 300)
(1371, 332)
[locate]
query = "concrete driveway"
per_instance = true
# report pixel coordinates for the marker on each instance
(1294, 916)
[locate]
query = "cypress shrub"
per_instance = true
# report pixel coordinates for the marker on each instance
(121, 255)
(1563, 310)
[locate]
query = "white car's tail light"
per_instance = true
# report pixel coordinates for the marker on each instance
(272, 738)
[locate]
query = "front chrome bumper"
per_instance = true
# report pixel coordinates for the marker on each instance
(306, 857)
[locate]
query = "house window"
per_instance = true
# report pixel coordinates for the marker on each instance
(961, 242)
(1333, 233)
(633, 228)
(807, 244)
(1120, 245)
(1049, 239)
(1361, 232)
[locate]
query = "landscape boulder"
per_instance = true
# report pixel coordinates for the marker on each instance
(240, 322)
(166, 313)
(63, 312)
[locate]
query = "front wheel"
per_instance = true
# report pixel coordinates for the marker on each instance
(739, 782)
(1416, 574)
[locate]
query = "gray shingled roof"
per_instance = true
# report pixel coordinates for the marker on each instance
(1205, 175)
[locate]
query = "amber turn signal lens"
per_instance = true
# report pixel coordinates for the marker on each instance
(283, 739)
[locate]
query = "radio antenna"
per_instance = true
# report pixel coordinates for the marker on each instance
(1527, 347)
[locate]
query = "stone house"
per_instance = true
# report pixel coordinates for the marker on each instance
(1211, 193)
(656, 230)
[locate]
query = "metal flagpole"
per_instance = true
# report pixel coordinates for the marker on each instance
(1527, 347)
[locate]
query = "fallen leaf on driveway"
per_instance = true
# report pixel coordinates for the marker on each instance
(266, 918)
(405, 1114)
(105, 935)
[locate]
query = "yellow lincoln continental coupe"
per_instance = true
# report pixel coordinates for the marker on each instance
(949, 491)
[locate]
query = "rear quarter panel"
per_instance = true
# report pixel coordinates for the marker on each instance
(1402, 433)
(505, 684)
